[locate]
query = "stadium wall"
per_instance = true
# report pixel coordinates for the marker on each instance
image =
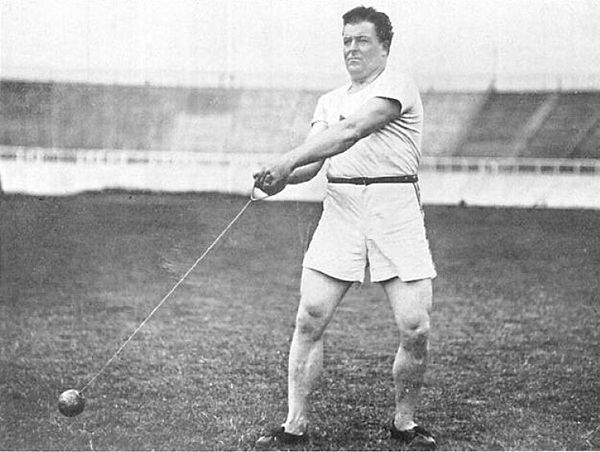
(444, 181)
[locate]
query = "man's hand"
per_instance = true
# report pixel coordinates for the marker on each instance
(273, 177)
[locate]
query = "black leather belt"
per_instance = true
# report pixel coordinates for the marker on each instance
(409, 179)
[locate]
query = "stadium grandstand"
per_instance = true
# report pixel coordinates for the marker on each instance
(467, 134)
(490, 124)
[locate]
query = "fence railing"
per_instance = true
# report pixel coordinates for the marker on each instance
(488, 165)
(500, 165)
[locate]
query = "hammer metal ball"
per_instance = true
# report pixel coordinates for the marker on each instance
(71, 402)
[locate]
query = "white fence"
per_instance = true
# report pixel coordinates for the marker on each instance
(448, 180)
(511, 165)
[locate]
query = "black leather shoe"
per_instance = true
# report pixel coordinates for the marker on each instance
(279, 438)
(415, 438)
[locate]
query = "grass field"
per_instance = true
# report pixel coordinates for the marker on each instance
(514, 350)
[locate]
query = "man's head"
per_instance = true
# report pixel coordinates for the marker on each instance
(367, 37)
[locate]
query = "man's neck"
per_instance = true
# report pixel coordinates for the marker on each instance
(360, 83)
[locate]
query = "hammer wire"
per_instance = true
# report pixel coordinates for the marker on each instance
(141, 325)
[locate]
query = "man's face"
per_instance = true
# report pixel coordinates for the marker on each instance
(364, 54)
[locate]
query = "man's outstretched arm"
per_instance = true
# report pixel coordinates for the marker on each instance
(335, 139)
(306, 172)
(302, 173)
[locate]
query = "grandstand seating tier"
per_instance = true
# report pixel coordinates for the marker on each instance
(484, 124)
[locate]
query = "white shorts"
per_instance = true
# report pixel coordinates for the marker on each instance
(379, 226)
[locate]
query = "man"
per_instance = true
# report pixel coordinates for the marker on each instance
(369, 134)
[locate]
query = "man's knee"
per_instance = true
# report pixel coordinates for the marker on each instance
(414, 334)
(311, 319)
(414, 327)
(320, 294)
(412, 306)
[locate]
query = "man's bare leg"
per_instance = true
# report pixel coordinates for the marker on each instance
(320, 295)
(411, 303)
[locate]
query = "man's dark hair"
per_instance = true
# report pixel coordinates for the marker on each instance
(382, 23)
